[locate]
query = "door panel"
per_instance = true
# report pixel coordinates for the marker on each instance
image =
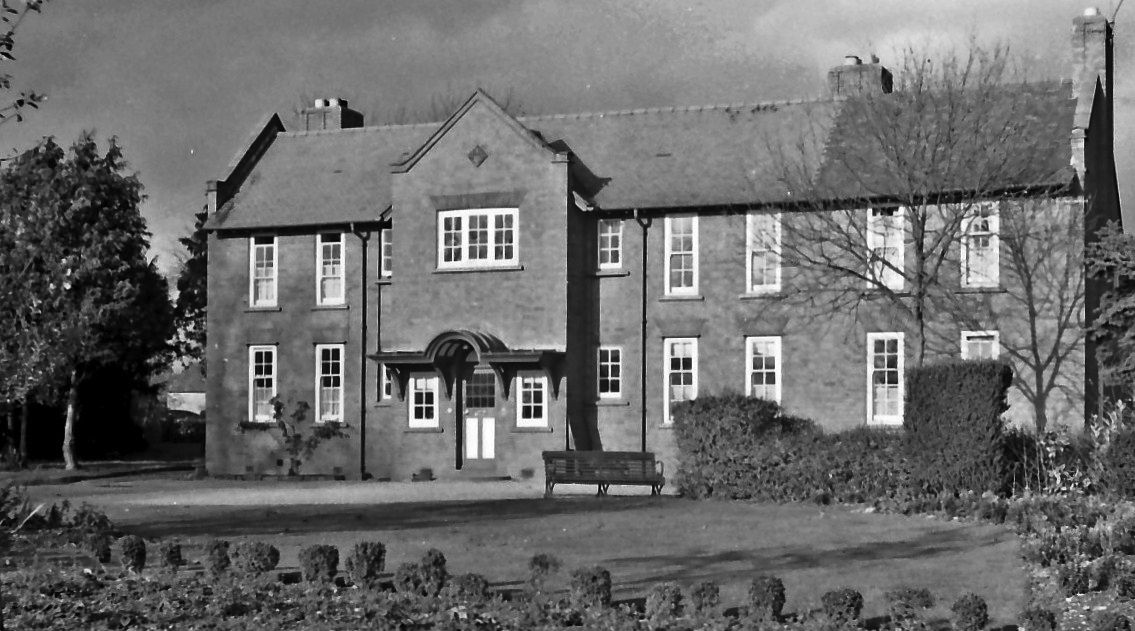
(488, 438)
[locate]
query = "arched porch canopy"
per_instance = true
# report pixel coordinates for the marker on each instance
(448, 353)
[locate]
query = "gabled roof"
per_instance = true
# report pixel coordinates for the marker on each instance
(661, 158)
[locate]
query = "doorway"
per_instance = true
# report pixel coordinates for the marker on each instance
(477, 449)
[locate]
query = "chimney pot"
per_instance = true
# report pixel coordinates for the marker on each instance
(330, 113)
(1091, 12)
(320, 103)
(852, 60)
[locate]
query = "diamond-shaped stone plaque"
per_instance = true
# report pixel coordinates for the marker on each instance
(478, 155)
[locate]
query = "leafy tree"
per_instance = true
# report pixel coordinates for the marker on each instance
(84, 297)
(1111, 263)
(11, 19)
(192, 293)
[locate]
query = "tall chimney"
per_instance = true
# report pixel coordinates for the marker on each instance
(1091, 61)
(330, 114)
(853, 78)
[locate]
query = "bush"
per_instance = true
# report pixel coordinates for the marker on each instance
(98, 544)
(255, 557)
(217, 557)
(1074, 578)
(1125, 585)
(663, 604)
(970, 613)
(590, 588)
(169, 554)
(366, 561)
(467, 588)
(1110, 621)
(904, 605)
(766, 597)
(133, 550)
(955, 435)
(1037, 619)
(842, 605)
(319, 563)
(1119, 465)
(705, 597)
(541, 567)
(425, 578)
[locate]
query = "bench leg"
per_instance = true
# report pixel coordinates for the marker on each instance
(656, 489)
(602, 490)
(548, 486)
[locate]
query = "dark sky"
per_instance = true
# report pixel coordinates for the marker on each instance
(181, 83)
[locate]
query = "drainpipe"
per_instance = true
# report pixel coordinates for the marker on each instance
(364, 239)
(644, 223)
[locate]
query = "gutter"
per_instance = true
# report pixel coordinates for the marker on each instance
(364, 239)
(644, 223)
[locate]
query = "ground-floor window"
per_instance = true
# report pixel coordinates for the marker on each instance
(885, 378)
(980, 345)
(385, 383)
(532, 401)
(681, 372)
(424, 402)
(762, 359)
(261, 383)
(329, 382)
(610, 372)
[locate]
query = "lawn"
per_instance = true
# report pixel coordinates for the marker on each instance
(494, 528)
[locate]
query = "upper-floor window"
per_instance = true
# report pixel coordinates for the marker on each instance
(385, 256)
(762, 246)
(610, 243)
(610, 372)
(885, 246)
(484, 237)
(329, 382)
(329, 263)
(681, 372)
(885, 385)
(261, 383)
(262, 260)
(762, 358)
(981, 345)
(682, 255)
(423, 402)
(532, 401)
(980, 249)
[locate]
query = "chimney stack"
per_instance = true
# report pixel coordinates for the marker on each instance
(1091, 61)
(330, 113)
(854, 78)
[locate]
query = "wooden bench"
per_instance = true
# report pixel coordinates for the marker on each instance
(602, 468)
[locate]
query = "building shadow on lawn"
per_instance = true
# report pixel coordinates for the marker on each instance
(221, 521)
(740, 565)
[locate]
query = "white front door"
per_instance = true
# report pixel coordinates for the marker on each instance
(480, 438)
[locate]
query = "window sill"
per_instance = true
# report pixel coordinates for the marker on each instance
(982, 290)
(385, 280)
(422, 430)
(612, 403)
(261, 309)
(885, 424)
(761, 295)
(336, 307)
(531, 430)
(665, 426)
(611, 273)
(331, 424)
(467, 270)
(384, 403)
(682, 298)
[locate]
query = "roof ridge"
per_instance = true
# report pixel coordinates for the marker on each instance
(357, 130)
(675, 109)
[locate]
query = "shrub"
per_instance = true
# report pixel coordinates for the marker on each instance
(133, 550)
(955, 436)
(1125, 585)
(705, 597)
(905, 604)
(1119, 465)
(425, 578)
(169, 554)
(1074, 578)
(590, 588)
(766, 597)
(217, 557)
(1037, 619)
(540, 568)
(970, 613)
(842, 605)
(663, 604)
(319, 563)
(366, 561)
(98, 544)
(1110, 621)
(467, 588)
(255, 557)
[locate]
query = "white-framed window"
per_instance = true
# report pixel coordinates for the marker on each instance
(885, 246)
(261, 383)
(329, 265)
(385, 254)
(682, 255)
(980, 249)
(610, 243)
(532, 401)
(385, 383)
(885, 380)
(329, 383)
(610, 372)
(762, 249)
(424, 402)
(483, 237)
(681, 372)
(762, 364)
(981, 345)
(262, 265)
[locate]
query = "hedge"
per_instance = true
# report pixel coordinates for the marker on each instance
(955, 435)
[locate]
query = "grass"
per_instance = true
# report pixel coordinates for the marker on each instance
(641, 540)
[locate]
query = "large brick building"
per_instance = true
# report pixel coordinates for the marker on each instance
(462, 295)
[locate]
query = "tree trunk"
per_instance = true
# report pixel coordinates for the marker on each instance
(69, 424)
(1040, 410)
(24, 434)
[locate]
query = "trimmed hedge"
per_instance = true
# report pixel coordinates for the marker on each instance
(955, 435)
